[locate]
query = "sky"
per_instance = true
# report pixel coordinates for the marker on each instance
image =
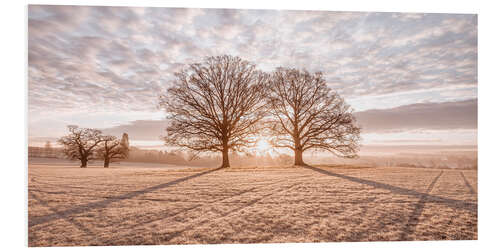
(410, 78)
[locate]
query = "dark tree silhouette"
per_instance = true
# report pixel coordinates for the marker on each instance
(112, 149)
(81, 143)
(215, 106)
(307, 114)
(124, 141)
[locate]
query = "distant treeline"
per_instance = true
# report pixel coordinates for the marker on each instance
(176, 157)
(46, 152)
(209, 160)
(450, 159)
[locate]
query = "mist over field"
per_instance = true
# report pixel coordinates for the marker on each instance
(423, 156)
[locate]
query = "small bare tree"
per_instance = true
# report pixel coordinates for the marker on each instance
(124, 141)
(112, 149)
(81, 143)
(215, 106)
(307, 114)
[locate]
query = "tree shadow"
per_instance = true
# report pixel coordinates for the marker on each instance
(77, 224)
(162, 217)
(453, 203)
(169, 236)
(414, 218)
(471, 189)
(37, 220)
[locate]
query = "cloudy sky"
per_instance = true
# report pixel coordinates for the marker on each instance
(411, 78)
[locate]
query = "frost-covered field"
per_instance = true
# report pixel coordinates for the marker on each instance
(139, 205)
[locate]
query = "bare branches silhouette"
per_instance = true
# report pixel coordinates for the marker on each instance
(81, 143)
(307, 114)
(215, 106)
(112, 149)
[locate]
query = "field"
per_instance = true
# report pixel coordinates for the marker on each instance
(131, 205)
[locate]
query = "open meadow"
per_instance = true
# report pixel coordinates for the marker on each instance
(128, 205)
(163, 126)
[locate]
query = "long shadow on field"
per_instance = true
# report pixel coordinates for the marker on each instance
(413, 220)
(168, 237)
(70, 220)
(471, 189)
(458, 204)
(36, 220)
(162, 217)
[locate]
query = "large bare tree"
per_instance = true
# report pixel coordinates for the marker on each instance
(81, 143)
(215, 106)
(307, 114)
(113, 149)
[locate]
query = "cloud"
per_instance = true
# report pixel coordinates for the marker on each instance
(408, 141)
(420, 116)
(120, 59)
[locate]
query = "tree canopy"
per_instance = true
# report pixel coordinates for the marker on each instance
(307, 114)
(112, 148)
(81, 143)
(215, 106)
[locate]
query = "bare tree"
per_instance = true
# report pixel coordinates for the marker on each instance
(215, 106)
(81, 143)
(307, 114)
(113, 149)
(124, 141)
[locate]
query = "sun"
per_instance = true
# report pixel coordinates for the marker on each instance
(263, 146)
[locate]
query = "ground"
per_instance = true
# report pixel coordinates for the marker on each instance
(128, 205)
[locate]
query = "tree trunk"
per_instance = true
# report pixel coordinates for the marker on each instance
(106, 163)
(298, 158)
(298, 150)
(225, 157)
(84, 162)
